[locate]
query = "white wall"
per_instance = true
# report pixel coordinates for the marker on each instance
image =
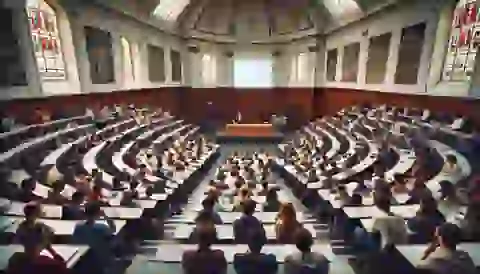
(282, 64)
(71, 27)
(390, 21)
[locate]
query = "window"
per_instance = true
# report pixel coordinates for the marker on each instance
(12, 69)
(176, 61)
(156, 64)
(169, 10)
(409, 54)
(127, 59)
(377, 58)
(301, 72)
(100, 55)
(209, 69)
(463, 44)
(46, 40)
(331, 65)
(253, 72)
(351, 54)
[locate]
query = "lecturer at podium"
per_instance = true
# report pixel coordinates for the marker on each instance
(238, 118)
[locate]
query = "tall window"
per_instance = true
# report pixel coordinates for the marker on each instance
(463, 43)
(46, 40)
(127, 59)
(332, 64)
(176, 62)
(409, 54)
(253, 71)
(100, 55)
(209, 69)
(301, 70)
(156, 64)
(377, 58)
(351, 54)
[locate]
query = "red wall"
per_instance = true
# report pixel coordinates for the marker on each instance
(256, 105)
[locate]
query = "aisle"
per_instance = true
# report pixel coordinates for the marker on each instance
(285, 194)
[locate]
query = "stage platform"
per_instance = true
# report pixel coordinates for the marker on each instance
(249, 133)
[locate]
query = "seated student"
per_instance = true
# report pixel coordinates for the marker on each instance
(427, 219)
(31, 260)
(264, 190)
(128, 199)
(149, 193)
(208, 205)
(451, 165)
(312, 176)
(448, 195)
(27, 188)
(272, 204)
(391, 228)
(32, 212)
(96, 234)
(286, 224)
(342, 195)
(204, 260)
(247, 224)
(253, 261)
(74, 210)
(418, 191)
(442, 257)
(82, 183)
(305, 260)
(243, 196)
(96, 195)
(399, 185)
(470, 225)
(55, 196)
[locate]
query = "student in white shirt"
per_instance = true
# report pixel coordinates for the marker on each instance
(392, 228)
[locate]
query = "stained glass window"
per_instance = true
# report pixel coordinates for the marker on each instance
(463, 43)
(46, 40)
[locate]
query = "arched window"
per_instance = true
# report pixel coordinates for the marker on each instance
(46, 40)
(463, 42)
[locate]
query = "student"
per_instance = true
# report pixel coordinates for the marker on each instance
(97, 195)
(74, 210)
(265, 190)
(305, 260)
(242, 197)
(128, 199)
(451, 165)
(31, 260)
(208, 205)
(427, 219)
(442, 256)
(253, 261)
(27, 189)
(247, 224)
(204, 260)
(55, 196)
(470, 225)
(272, 204)
(96, 234)
(287, 224)
(392, 228)
(399, 185)
(342, 195)
(32, 212)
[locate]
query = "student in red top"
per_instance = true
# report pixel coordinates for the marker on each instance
(31, 261)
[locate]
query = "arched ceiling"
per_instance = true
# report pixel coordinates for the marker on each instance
(250, 20)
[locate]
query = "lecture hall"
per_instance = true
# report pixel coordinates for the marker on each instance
(239, 137)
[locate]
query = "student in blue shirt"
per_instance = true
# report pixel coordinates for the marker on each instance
(96, 234)
(254, 261)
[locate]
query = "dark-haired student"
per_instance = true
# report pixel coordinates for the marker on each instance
(442, 255)
(247, 224)
(204, 260)
(31, 260)
(32, 211)
(305, 260)
(254, 261)
(427, 219)
(74, 210)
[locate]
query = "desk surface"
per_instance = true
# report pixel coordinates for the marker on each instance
(250, 125)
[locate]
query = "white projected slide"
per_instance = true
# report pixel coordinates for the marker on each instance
(253, 73)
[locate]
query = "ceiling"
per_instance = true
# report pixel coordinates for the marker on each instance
(250, 19)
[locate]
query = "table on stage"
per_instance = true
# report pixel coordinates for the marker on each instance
(250, 130)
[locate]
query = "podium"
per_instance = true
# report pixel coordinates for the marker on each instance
(255, 132)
